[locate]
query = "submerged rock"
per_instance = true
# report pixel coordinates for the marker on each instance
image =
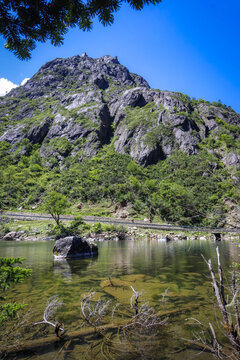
(74, 247)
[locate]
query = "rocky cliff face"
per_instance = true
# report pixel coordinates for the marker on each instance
(72, 107)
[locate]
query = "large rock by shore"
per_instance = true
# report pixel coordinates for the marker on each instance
(74, 247)
(14, 236)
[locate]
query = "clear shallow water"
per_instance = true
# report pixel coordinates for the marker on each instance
(149, 266)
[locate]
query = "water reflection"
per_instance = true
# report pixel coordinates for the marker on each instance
(67, 267)
(149, 256)
(62, 267)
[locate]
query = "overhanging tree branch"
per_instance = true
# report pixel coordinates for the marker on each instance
(24, 22)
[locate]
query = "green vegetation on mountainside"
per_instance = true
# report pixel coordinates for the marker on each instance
(188, 189)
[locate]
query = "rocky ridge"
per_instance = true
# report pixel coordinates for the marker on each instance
(73, 107)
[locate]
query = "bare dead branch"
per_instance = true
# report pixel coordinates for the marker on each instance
(135, 298)
(216, 346)
(93, 313)
(225, 307)
(220, 274)
(52, 305)
(234, 291)
(217, 292)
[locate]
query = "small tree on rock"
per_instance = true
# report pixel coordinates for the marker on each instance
(56, 204)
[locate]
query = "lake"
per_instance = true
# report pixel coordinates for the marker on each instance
(172, 277)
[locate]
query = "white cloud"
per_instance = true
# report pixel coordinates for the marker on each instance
(6, 86)
(24, 81)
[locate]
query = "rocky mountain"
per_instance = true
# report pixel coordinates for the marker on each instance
(72, 107)
(93, 131)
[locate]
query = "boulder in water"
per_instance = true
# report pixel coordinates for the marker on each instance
(74, 247)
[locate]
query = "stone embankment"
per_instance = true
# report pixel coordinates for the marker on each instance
(131, 234)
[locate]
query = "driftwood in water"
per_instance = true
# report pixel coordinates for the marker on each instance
(46, 342)
(38, 344)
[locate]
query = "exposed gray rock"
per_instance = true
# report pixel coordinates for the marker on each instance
(133, 97)
(10, 236)
(101, 82)
(14, 135)
(37, 133)
(187, 143)
(75, 101)
(13, 235)
(89, 101)
(231, 159)
(74, 247)
(134, 143)
(68, 128)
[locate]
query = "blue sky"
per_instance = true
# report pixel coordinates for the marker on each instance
(179, 45)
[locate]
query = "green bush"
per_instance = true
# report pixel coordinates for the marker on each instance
(10, 273)
(228, 140)
(97, 227)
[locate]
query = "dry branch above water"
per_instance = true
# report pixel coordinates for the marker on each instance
(228, 302)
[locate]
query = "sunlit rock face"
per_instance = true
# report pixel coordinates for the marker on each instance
(73, 107)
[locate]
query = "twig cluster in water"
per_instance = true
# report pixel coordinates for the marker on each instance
(91, 313)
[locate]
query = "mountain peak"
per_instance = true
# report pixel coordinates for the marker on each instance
(78, 72)
(99, 101)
